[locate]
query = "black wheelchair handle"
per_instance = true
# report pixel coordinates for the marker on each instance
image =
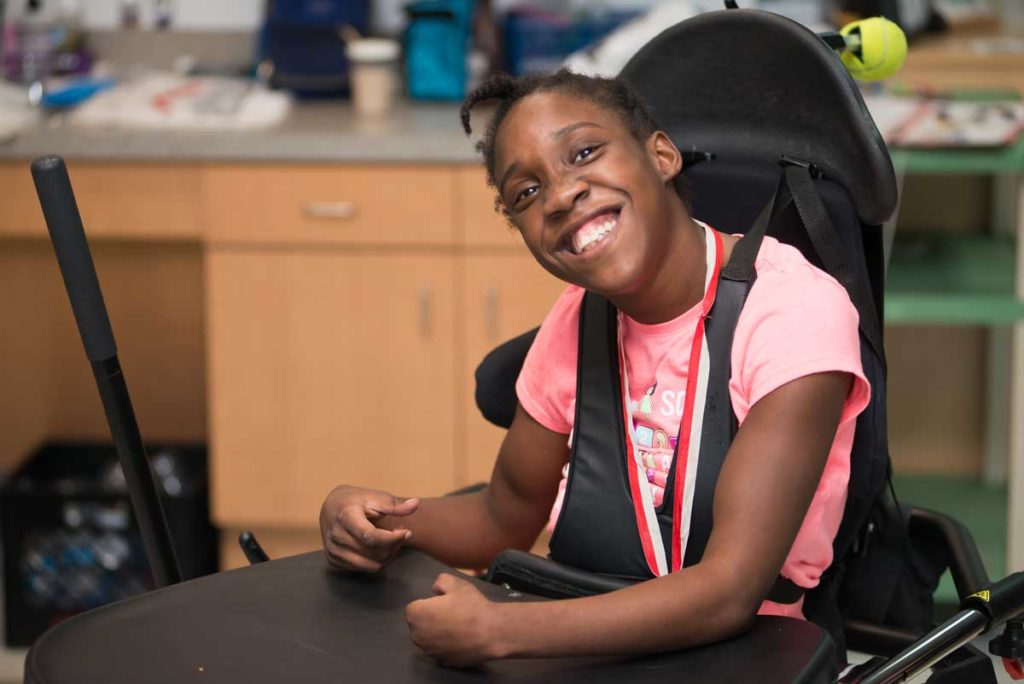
(999, 601)
(254, 553)
(965, 563)
(65, 226)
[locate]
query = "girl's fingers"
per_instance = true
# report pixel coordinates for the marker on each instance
(382, 553)
(346, 559)
(365, 534)
(657, 477)
(406, 507)
(386, 560)
(393, 505)
(659, 494)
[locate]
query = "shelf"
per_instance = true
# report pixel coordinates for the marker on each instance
(952, 279)
(963, 160)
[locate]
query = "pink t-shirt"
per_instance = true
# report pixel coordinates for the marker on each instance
(797, 321)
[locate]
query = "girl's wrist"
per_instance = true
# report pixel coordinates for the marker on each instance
(503, 641)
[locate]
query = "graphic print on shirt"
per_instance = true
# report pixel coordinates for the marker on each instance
(655, 436)
(644, 405)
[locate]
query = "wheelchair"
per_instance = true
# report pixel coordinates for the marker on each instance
(775, 135)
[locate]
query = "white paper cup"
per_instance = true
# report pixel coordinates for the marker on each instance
(373, 75)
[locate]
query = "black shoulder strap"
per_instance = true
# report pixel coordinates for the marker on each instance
(741, 262)
(719, 422)
(826, 243)
(737, 277)
(596, 529)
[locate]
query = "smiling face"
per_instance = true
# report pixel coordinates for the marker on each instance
(594, 205)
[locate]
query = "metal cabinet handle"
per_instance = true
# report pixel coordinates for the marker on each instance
(329, 210)
(491, 302)
(425, 299)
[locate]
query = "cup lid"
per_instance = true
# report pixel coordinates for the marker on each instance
(372, 50)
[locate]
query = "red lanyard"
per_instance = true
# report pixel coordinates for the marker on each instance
(688, 447)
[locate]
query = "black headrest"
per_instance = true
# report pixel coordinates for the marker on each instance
(751, 86)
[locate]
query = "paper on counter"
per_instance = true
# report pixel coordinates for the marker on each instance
(942, 122)
(184, 103)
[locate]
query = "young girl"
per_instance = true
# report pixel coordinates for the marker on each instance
(587, 178)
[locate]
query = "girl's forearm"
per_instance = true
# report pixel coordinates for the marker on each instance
(684, 609)
(459, 530)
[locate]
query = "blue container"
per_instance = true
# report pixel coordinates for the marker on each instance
(320, 12)
(436, 42)
(301, 38)
(538, 42)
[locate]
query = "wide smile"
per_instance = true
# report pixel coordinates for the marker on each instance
(592, 235)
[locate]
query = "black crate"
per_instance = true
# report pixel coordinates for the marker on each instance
(70, 538)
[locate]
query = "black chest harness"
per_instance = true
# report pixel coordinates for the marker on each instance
(601, 527)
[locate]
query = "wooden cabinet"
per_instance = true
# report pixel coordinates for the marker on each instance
(503, 295)
(504, 292)
(348, 357)
(143, 222)
(331, 323)
(349, 205)
(327, 367)
(482, 225)
(136, 201)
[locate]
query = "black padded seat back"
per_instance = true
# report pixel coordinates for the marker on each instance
(749, 86)
(729, 196)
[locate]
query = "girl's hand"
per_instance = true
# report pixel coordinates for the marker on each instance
(657, 478)
(350, 525)
(458, 626)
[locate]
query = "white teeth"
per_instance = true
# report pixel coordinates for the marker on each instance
(591, 233)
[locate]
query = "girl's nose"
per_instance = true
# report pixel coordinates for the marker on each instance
(562, 196)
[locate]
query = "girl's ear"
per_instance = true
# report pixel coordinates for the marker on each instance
(665, 155)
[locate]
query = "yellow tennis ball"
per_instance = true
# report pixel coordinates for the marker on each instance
(883, 48)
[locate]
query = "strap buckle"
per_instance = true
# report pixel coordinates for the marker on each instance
(792, 161)
(694, 156)
(863, 539)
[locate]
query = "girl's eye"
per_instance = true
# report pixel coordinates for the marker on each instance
(584, 154)
(524, 193)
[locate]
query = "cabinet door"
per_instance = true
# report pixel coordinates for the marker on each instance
(482, 225)
(504, 295)
(395, 205)
(325, 368)
(134, 201)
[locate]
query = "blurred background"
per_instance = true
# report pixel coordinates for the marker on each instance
(303, 266)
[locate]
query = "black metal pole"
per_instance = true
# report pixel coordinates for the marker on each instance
(941, 641)
(981, 611)
(68, 237)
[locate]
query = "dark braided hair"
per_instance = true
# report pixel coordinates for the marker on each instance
(611, 93)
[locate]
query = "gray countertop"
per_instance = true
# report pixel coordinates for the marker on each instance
(313, 132)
